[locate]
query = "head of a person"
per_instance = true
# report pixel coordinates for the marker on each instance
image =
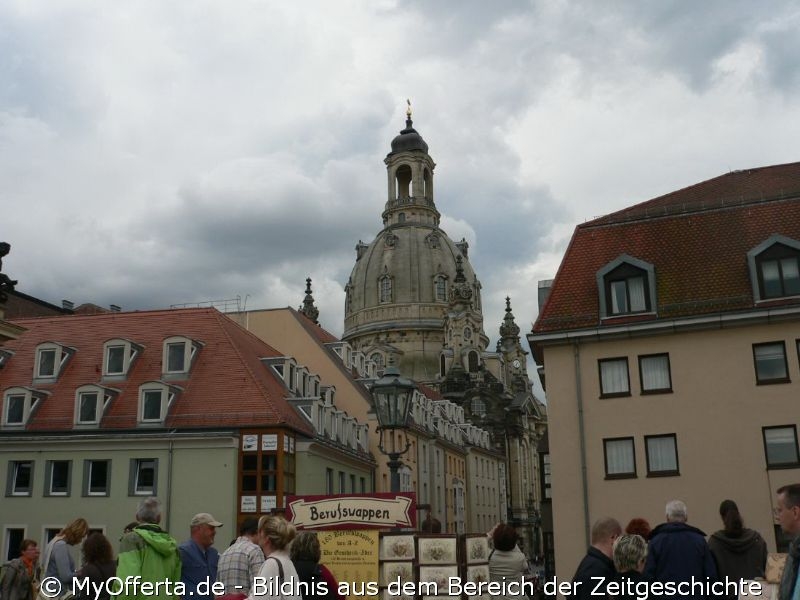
(731, 519)
(676, 512)
(29, 550)
(97, 549)
(274, 533)
(75, 531)
(787, 508)
(149, 511)
(638, 526)
(249, 528)
(629, 553)
(504, 537)
(604, 532)
(305, 547)
(203, 528)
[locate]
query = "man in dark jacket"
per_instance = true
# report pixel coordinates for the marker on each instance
(787, 511)
(678, 552)
(598, 561)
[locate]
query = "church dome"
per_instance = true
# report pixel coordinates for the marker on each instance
(399, 291)
(409, 139)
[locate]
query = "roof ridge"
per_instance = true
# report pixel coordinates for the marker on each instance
(666, 208)
(115, 315)
(228, 322)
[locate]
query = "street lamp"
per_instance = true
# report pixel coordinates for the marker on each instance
(392, 394)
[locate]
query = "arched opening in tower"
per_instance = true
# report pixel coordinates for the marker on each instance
(403, 178)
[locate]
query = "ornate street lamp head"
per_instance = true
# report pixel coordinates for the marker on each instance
(392, 394)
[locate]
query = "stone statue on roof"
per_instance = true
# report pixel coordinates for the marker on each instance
(6, 283)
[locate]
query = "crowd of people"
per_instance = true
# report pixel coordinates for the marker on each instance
(150, 555)
(676, 552)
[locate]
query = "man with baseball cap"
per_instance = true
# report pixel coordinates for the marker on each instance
(199, 558)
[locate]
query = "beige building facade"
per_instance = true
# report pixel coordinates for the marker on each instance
(670, 347)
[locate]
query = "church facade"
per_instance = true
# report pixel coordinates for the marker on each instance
(414, 298)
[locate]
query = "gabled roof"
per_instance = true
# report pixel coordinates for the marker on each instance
(697, 240)
(228, 385)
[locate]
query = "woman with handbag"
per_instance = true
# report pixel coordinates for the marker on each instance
(21, 580)
(58, 561)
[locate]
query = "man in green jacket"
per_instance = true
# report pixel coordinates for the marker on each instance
(149, 563)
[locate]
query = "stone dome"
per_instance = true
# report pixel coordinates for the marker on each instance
(409, 139)
(398, 294)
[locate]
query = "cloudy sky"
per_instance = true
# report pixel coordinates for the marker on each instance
(156, 153)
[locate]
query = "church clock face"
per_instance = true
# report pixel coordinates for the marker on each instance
(516, 363)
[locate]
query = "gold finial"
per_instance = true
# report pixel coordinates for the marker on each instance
(408, 110)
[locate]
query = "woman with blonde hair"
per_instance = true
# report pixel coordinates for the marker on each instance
(280, 576)
(630, 554)
(58, 561)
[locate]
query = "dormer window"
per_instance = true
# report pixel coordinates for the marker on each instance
(91, 403)
(155, 399)
(440, 288)
(118, 356)
(179, 355)
(775, 268)
(18, 405)
(50, 361)
(385, 289)
(627, 286)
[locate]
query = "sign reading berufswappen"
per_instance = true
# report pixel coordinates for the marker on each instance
(357, 511)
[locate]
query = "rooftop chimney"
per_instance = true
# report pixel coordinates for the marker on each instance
(544, 291)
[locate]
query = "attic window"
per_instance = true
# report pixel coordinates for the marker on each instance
(51, 358)
(179, 354)
(118, 356)
(155, 399)
(775, 268)
(626, 286)
(18, 405)
(91, 402)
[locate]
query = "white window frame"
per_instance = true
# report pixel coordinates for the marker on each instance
(61, 355)
(190, 350)
(13, 469)
(49, 474)
(755, 264)
(648, 286)
(136, 468)
(130, 351)
(31, 400)
(103, 400)
(167, 392)
(88, 468)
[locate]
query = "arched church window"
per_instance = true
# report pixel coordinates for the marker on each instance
(348, 298)
(403, 180)
(426, 184)
(401, 218)
(441, 365)
(385, 289)
(440, 288)
(472, 361)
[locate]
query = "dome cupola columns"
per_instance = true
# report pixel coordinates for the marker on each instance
(409, 168)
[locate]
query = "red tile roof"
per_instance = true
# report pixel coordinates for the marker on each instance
(228, 386)
(696, 238)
